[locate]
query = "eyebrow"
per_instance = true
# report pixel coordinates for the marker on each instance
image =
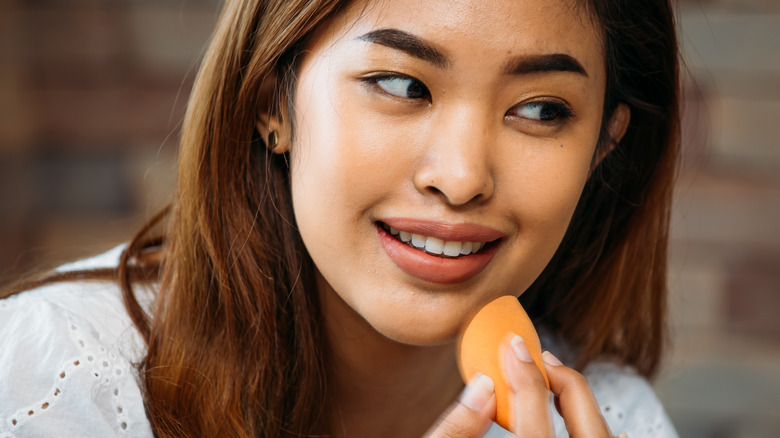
(421, 49)
(543, 63)
(408, 43)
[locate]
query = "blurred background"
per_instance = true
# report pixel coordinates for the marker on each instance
(92, 93)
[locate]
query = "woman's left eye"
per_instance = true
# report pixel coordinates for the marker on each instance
(543, 111)
(402, 86)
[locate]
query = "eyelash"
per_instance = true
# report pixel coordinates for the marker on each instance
(373, 82)
(562, 111)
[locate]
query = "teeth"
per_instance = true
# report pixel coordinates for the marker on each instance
(434, 245)
(418, 240)
(452, 249)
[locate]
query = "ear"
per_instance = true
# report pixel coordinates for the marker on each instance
(618, 124)
(616, 129)
(275, 132)
(272, 123)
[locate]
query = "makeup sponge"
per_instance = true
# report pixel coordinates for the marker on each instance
(482, 344)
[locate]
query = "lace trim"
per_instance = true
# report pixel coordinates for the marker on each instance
(105, 366)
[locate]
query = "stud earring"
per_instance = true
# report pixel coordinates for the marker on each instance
(273, 140)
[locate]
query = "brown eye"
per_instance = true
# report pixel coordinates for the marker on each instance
(402, 86)
(543, 111)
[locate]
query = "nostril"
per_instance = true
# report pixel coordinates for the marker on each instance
(434, 190)
(453, 199)
(458, 183)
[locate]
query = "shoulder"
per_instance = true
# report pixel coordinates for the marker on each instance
(66, 360)
(628, 402)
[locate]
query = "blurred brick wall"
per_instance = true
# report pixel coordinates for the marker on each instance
(92, 92)
(91, 97)
(722, 379)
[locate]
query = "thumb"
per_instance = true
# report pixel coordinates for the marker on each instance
(473, 413)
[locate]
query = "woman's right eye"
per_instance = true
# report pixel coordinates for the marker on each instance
(402, 86)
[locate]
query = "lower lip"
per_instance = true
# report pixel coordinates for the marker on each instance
(432, 268)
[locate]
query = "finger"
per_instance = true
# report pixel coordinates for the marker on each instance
(575, 400)
(530, 398)
(471, 416)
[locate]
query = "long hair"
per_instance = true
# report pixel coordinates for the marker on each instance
(235, 346)
(604, 291)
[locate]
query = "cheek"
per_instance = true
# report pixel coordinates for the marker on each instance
(339, 169)
(334, 166)
(558, 186)
(541, 193)
(547, 183)
(344, 156)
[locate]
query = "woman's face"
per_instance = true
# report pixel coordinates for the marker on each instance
(469, 127)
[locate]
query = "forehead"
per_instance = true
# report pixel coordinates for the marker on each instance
(478, 30)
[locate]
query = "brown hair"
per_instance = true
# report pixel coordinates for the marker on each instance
(235, 346)
(605, 289)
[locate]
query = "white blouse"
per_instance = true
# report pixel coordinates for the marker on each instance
(66, 368)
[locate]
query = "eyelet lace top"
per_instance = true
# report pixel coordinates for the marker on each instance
(66, 355)
(66, 368)
(627, 402)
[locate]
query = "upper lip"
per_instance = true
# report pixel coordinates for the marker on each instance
(448, 232)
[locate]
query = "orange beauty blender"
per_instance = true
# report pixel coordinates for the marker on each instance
(482, 343)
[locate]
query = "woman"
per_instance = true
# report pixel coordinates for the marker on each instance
(356, 179)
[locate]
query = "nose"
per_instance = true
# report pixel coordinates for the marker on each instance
(456, 165)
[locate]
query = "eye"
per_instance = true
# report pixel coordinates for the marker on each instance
(402, 86)
(543, 111)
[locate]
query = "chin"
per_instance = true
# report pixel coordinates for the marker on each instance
(420, 338)
(422, 331)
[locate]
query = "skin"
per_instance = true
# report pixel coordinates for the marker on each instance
(467, 151)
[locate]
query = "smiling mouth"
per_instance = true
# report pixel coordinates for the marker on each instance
(435, 246)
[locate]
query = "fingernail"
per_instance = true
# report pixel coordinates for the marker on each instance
(520, 349)
(550, 359)
(623, 435)
(477, 392)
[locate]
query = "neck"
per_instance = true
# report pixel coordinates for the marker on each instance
(379, 386)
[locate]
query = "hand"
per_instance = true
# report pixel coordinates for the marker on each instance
(472, 414)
